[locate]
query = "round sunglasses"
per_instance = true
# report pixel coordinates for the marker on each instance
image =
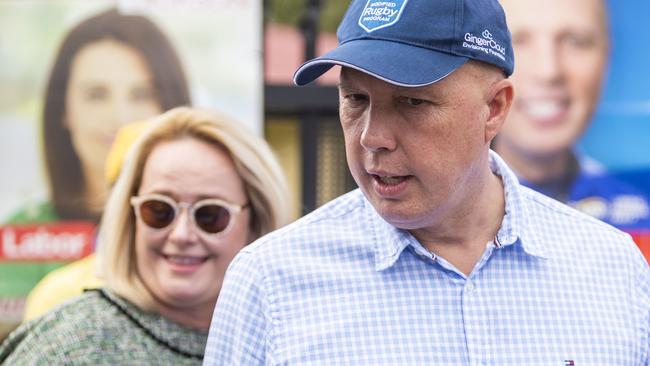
(211, 215)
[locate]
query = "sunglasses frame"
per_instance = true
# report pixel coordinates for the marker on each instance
(233, 210)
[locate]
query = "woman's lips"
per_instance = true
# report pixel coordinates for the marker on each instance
(185, 264)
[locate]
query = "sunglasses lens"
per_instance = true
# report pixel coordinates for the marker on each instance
(212, 218)
(156, 214)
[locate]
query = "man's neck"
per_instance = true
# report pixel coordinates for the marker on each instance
(461, 237)
(535, 169)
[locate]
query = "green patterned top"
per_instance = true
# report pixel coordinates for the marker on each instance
(100, 328)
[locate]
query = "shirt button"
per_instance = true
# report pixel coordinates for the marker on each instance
(469, 286)
(427, 258)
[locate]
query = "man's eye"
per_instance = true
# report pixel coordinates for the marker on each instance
(580, 40)
(356, 97)
(414, 101)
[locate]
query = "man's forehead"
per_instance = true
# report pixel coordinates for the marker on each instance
(521, 13)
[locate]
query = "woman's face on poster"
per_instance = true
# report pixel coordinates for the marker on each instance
(110, 85)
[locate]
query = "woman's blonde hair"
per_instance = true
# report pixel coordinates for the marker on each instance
(264, 184)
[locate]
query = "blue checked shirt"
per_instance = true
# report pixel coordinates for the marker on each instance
(343, 287)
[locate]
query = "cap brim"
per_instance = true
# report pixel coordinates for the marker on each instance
(396, 63)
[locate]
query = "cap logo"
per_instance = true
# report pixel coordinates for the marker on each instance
(485, 43)
(380, 14)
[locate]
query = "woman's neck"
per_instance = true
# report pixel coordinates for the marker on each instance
(95, 191)
(198, 319)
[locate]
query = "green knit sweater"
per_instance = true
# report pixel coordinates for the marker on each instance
(100, 328)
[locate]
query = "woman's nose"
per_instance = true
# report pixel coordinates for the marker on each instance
(183, 231)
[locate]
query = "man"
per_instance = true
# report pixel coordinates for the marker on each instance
(562, 49)
(441, 257)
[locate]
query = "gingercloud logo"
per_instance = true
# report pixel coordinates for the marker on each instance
(381, 14)
(485, 43)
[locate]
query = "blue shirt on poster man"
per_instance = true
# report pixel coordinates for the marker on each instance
(598, 193)
(441, 257)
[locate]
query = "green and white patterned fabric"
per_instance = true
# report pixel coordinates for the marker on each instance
(100, 328)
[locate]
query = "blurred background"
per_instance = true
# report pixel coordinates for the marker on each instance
(620, 132)
(219, 43)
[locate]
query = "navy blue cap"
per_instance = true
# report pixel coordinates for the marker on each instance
(416, 42)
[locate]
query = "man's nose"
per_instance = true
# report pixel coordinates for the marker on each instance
(378, 130)
(547, 61)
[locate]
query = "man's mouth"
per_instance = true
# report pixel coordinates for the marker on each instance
(390, 180)
(544, 109)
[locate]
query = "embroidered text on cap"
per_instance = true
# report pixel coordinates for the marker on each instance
(380, 14)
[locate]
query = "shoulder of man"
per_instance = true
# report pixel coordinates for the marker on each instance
(242, 323)
(335, 212)
(562, 213)
(568, 230)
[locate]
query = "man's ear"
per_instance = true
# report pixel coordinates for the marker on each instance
(499, 102)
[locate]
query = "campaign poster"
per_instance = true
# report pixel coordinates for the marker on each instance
(619, 134)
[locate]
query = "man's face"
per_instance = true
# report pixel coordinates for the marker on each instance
(560, 54)
(415, 152)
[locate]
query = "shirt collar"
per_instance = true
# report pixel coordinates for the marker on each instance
(517, 226)
(390, 241)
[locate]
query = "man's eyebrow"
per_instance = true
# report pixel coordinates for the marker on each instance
(344, 79)
(345, 84)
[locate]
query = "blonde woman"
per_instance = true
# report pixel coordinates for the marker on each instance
(194, 190)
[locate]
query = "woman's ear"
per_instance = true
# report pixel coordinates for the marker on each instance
(499, 102)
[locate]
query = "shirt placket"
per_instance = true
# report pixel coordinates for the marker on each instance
(475, 314)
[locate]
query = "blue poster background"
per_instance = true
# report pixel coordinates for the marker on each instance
(619, 136)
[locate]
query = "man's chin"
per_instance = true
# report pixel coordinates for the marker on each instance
(401, 218)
